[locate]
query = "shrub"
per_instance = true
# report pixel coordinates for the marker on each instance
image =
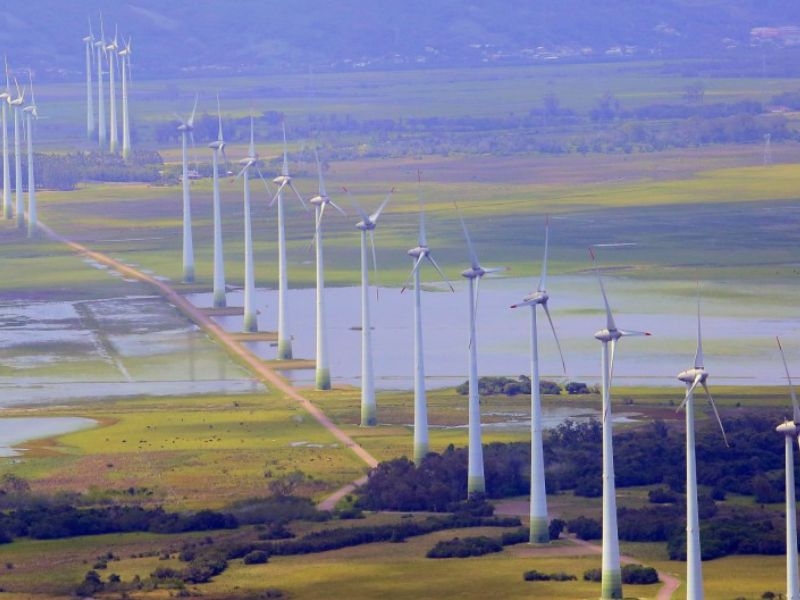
(592, 575)
(535, 575)
(555, 528)
(256, 557)
(585, 528)
(639, 575)
(462, 548)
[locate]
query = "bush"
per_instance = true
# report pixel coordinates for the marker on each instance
(535, 575)
(662, 496)
(555, 528)
(639, 575)
(592, 575)
(256, 557)
(462, 548)
(585, 528)
(577, 387)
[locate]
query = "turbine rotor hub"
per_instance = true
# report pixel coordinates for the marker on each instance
(418, 251)
(606, 335)
(690, 375)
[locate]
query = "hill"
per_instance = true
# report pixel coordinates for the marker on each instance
(267, 37)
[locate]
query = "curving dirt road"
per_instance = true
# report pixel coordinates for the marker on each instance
(229, 340)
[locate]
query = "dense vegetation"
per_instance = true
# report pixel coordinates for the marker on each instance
(752, 466)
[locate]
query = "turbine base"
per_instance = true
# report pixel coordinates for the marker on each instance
(284, 349)
(539, 531)
(368, 416)
(611, 585)
(476, 485)
(188, 274)
(323, 379)
(8, 211)
(250, 323)
(219, 299)
(421, 450)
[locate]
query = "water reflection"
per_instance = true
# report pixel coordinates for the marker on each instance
(738, 333)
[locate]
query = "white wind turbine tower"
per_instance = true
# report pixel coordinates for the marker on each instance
(186, 128)
(692, 378)
(5, 100)
(218, 150)
(418, 254)
(31, 113)
(111, 54)
(89, 47)
(323, 373)
(125, 67)
(539, 531)
(367, 224)
(283, 181)
(790, 430)
(16, 104)
(100, 44)
(476, 481)
(250, 323)
(611, 572)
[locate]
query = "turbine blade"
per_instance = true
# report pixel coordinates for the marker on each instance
(610, 325)
(219, 118)
(285, 168)
(322, 191)
(553, 328)
(630, 332)
(795, 405)
(364, 216)
(543, 279)
(190, 122)
(423, 238)
(438, 270)
(299, 197)
(689, 391)
(278, 193)
(252, 149)
(266, 184)
(473, 257)
(374, 216)
(414, 269)
(337, 207)
(716, 413)
(698, 356)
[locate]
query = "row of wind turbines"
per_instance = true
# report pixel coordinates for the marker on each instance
(609, 336)
(109, 57)
(13, 101)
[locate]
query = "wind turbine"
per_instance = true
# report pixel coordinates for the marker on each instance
(692, 378)
(125, 54)
(476, 481)
(250, 323)
(5, 101)
(100, 44)
(186, 128)
(611, 572)
(323, 373)
(367, 224)
(218, 149)
(111, 54)
(790, 431)
(283, 181)
(31, 113)
(539, 531)
(16, 103)
(418, 254)
(89, 47)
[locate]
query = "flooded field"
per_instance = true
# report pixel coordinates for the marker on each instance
(739, 325)
(135, 346)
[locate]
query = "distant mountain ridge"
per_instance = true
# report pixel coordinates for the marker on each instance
(185, 37)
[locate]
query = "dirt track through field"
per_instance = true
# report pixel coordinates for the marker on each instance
(231, 341)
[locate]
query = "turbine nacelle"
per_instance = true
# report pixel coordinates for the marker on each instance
(282, 179)
(787, 428)
(217, 145)
(474, 272)
(319, 200)
(419, 252)
(693, 376)
(537, 297)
